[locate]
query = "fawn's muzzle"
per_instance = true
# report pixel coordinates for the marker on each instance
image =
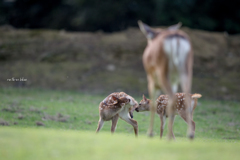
(136, 109)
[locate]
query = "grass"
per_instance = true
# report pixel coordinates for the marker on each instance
(61, 124)
(41, 144)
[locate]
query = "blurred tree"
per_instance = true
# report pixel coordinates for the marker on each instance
(109, 15)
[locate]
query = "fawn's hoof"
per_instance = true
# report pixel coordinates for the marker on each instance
(191, 136)
(150, 134)
(170, 137)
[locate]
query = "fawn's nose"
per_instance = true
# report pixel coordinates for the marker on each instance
(136, 109)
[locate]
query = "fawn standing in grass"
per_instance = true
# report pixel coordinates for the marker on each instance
(168, 60)
(179, 108)
(116, 105)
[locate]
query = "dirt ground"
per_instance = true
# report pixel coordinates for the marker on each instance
(104, 63)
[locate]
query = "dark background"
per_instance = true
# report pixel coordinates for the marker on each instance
(109, 15)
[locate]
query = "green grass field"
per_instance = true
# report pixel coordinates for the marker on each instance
(43, 124)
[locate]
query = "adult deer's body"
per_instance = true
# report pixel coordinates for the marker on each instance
(118, 104)
(178, 109)
(167, 60)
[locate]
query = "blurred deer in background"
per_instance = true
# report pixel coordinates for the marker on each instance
(168, 60)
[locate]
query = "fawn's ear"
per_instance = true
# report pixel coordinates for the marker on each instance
(175, 27)
(147, 31)
(123, 101)
(115, 99)
(144, 98)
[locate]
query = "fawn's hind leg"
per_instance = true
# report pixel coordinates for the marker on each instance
(100, 124)
(183, 115)
(114, 123)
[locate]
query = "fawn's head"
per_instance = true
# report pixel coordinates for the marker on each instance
(144, 105)
(120, 101)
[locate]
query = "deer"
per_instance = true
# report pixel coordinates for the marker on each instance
(168, 61)
(117, 104)
(178, 109)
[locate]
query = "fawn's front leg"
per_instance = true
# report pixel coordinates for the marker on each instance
(132, 122)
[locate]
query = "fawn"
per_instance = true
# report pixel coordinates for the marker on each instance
(168, 60)
(116, 105)
(179, 108)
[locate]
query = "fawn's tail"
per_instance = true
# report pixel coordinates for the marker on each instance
(196, 95)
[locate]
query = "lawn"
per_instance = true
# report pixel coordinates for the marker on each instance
(44, 124)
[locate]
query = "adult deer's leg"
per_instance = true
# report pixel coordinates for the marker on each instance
(186, 83)
(171, 102)
(164, 78)
(172, 121)
(153, 92)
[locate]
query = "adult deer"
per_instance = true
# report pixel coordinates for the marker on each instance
(168, 60)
